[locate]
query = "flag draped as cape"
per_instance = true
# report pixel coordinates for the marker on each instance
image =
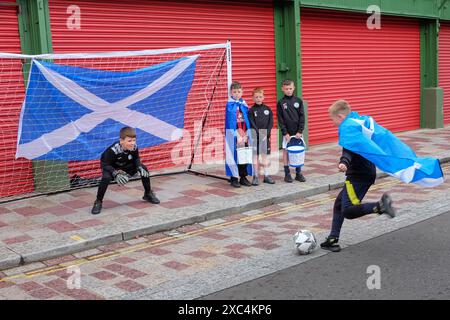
(362, 135)
(231, 136)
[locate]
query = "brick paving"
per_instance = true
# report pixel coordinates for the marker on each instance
(30, 220)
(67, 213)
(113, 271)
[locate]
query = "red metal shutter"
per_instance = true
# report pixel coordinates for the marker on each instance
(16, 176)
(376, 71)
(444, 67)
(137, 25)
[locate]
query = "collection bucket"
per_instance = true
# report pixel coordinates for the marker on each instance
(244, 155)
(296, 153)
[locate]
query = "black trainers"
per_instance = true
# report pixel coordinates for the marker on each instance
(268, 179)
(288, 178)
(235, 182)
(245, 182)
(97, 207)
(255, 181)
(150, 197)
(385, 205)
(300, 177)
(331, 244)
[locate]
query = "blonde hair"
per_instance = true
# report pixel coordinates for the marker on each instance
(258, 90)
(340, 107)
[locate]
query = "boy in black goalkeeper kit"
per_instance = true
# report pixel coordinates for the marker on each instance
(121, 161)
(360, 176)
(261, 122)
(291, 121)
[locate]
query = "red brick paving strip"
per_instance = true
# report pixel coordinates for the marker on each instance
(201, 254)
(221, 192)
(156, 251)
(62, 226)
(125, 271)
(30, 286)
(129, 286)
(42, 294)
(237, 246)
(235, 255)
(17, 239)
(176, 265)
(29, 211)
(103, 275)
(124, 260)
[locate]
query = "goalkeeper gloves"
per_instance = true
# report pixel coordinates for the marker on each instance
(143, 172)
(121, 177)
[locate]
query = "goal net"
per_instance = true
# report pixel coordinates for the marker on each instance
(61, 111)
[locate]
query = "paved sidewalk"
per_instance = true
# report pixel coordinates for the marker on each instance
(203, 258)
(44, 227)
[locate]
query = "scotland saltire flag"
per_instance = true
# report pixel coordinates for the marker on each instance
(362, 135)
(73, 113)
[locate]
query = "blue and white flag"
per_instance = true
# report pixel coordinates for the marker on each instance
(362, 135)
(73, 113)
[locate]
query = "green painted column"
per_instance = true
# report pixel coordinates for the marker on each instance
(35, 36)
(431, 97)
(288, 51)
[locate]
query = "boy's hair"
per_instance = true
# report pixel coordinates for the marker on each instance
(235, 85)
(340, 107)
(287, 82)
(258, 90)
(127, 132)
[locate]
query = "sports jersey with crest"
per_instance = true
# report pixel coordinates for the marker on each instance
(291, 115)
(115, 157)
(261, 117)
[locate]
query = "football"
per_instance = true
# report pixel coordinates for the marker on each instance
(305, 241)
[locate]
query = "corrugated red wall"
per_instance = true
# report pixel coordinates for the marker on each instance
(15, 175)
(137, 25)
(376, 71)
(444, 67)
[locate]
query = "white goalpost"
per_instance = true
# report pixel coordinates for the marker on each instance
(61, 111)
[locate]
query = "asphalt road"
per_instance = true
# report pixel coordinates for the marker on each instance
(412, 263)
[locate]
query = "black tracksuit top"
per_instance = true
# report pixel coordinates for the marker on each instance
(358, 168)
(291, 115)
(115, 157)
(260, 117)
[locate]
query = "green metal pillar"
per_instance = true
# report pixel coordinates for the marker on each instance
(431, 98)
(35, 36)
(288, 51)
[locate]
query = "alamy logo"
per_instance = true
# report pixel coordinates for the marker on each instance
(74, 280)
(374, 21)
(373, 281)
(74, 21)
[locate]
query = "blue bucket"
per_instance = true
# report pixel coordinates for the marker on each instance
(296, 152)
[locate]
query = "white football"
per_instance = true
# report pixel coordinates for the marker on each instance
(305, 241)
